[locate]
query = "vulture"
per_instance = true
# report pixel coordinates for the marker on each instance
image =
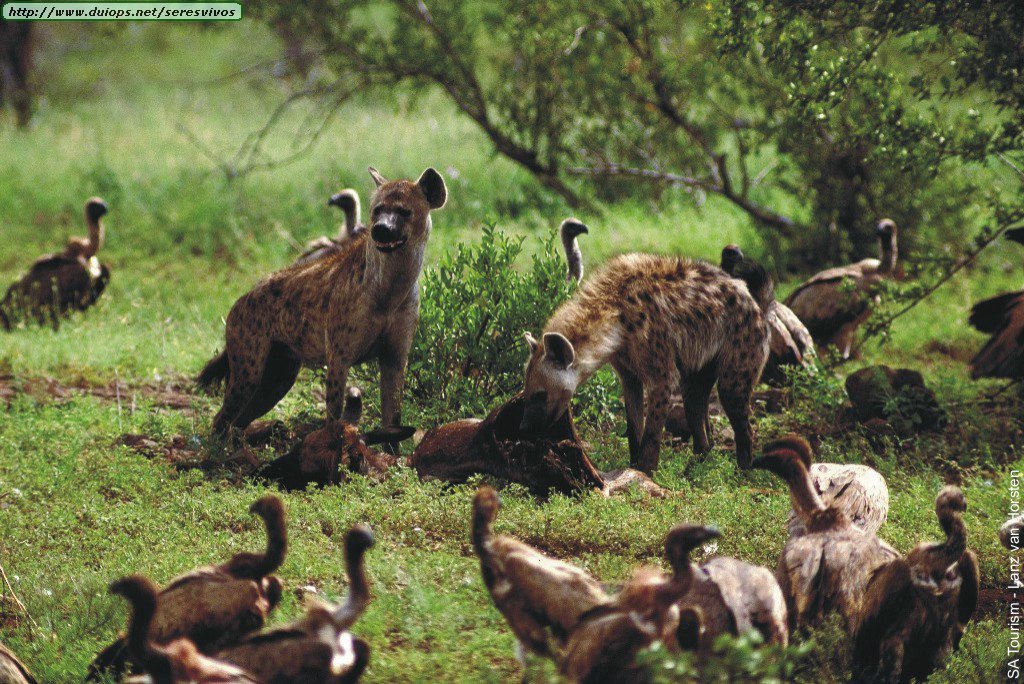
(570, 229)
(827, 568)
(1010, 533)
(857, 490)
(176, 662)
(539, 596)
(348, 201)
(56, 283)
(916, 608)
(216, 605)
(1002, 317)
(318, 648)
(789, 341)
(12, 670)
(603, 646)
(835, 302)
(753, 595)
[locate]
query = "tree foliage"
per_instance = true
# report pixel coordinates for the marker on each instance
(814, 118)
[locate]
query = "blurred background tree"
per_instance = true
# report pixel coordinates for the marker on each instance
(16, 47)
(814, 118)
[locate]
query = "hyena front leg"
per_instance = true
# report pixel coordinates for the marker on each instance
(658, 396)
(633, 398)
(394, 356)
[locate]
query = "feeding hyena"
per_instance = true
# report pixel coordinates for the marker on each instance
(358, 303)
(663, 323)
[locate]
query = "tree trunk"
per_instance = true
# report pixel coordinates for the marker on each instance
(15, 66)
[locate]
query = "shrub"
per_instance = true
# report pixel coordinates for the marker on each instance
(468, 353)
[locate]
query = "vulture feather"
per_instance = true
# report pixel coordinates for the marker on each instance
(835, 302)
(602, 648)
(827, 568)
(318, 648)
(12, 670)
(539, 596)
(216, 605)
(56, 283)
(916, 608)
(570, 229)
(348, 202)
(789, 341)
(176, 662)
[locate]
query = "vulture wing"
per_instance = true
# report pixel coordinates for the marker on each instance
(969, 591)
(797, 330)
(559, 591)
(1003, 355)
(888, 601)
(12, 670)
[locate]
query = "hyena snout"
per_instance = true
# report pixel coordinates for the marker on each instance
(387, 234)
(536, 417)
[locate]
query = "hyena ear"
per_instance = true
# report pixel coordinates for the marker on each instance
(531, 340)
(377, 178)
(433, 188)
(558, 350)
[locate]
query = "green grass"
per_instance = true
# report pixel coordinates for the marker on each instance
(77, 511)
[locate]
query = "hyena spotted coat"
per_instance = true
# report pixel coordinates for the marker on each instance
(663, 323)
(359, 302)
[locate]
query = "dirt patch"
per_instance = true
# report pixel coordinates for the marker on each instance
(176, 394)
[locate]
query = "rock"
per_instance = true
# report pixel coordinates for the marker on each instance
(897, 396)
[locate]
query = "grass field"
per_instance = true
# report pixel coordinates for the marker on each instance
(119, 118)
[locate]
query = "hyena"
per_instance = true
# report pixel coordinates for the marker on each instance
(357, 303)
(664, 323)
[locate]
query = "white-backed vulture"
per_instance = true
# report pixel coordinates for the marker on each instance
(828, 567)
(12, 670)
(570, 229)
(916, 608)
(835, 302)
(318, 648)
(57, 283)
(216, 605)
(539, 596)
(1002, 317)
(348, 201)
(857, 490)
(753, 595)
(603, 647)
(175, 662)
(789, 341)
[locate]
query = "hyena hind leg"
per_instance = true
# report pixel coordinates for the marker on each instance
(246, 366)
(696, 397)
(279, 373)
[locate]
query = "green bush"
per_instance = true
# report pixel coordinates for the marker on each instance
(468, 354)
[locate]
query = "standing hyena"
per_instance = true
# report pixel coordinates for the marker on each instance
(664, 323)
(357, 303)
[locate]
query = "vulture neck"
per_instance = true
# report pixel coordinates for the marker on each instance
(358, 592)
(573, 257)
(96, 235)
(890, 253)
(806, 501)
(952, 523)
(351, 218)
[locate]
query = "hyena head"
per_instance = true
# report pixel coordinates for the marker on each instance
(551, 380)
(400, 210)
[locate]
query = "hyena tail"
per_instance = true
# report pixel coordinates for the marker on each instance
(214, 372)
(759, 282)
